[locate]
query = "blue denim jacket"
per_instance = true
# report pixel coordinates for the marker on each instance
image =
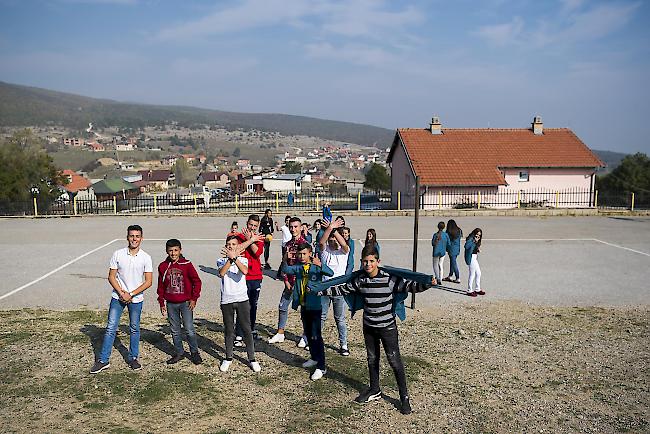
(454, 244)
(316, 273)
(440, 249)
(469, 249)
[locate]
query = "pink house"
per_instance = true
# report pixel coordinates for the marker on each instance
(499, 168)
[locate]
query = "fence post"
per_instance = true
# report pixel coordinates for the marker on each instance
(439, 199)
(399, 201)
(416, 223)
(195, 207)
(518, 199)
(632, 207)
(237, 203)
(155, 204)
(359, 201)
(557, 199)
(74, 204)
(596, 200)
(35, 208)
(478, 204)
(317, 202)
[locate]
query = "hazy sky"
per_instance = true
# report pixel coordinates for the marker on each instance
(582, 64)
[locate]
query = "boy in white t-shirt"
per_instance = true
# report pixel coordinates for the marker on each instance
(130, 274)
(334, 252)
(234, 298)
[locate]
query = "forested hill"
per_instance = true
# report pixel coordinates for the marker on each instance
(31, 106)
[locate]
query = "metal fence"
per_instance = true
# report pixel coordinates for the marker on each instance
(281, 202)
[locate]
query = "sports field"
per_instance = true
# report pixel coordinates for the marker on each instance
(559, 343)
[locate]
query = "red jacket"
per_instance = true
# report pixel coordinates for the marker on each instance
(254, 264)
(178, 281)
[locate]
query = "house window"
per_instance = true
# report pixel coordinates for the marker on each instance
(523, 176)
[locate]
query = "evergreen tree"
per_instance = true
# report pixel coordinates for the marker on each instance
(377, 178)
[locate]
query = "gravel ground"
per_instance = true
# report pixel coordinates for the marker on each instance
(486, 367)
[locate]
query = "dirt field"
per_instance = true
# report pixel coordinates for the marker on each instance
(484, 367)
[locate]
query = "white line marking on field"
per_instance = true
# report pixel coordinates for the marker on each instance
(621, 247)
(185, 239)
(498, 239)
(57, 269)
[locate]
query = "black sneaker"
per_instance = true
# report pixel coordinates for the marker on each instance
(135, 365)
(344, 351)
(406, 405)
(177, 358)
(367, 396)
(267, 266)
(196, 358)
(99, 367)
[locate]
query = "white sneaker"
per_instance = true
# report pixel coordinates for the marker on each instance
(277, 338)
(225, 365)
(310, 363)
(255, 366)
(302, 343)
(239, 341)
(318, 374)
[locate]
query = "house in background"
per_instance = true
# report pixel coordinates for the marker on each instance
(285, 182)
(213, 179)
(455, 163)
(247, 184)
(77, 185)
(157, 180)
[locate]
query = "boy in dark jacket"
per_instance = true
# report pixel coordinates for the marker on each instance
(309, 269)
(180, 286)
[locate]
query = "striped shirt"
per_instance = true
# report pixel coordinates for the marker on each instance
(377, 293)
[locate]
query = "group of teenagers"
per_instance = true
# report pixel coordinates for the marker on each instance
(317, 271)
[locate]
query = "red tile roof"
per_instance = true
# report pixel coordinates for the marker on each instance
(159, 175)
(472, 157)
(77, 182)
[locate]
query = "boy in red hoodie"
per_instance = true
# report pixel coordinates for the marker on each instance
(179, 284)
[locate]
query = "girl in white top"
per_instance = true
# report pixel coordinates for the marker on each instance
(234, 298)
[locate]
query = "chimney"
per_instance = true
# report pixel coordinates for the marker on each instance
(435, 126)
(538, 126)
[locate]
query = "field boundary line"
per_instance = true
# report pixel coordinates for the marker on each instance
(27, 285)
(622, 247)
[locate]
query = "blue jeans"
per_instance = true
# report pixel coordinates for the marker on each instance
(339, 305)
(283, 315)
(176, 311)
(114, 313)
(311, 324)
(453, 266)
(253, 290)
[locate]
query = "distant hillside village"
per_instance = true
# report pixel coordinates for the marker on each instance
(303, 164)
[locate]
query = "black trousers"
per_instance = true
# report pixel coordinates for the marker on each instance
(267, 251)
(390, 340)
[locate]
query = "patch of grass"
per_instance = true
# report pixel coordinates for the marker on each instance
(169, 382)
(14, 337)
(84, 317)
(95, 405)
(340, 412)
(263, 381)
(123, 430)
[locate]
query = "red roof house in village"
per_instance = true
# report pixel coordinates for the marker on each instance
(76, 182)
(454, 164)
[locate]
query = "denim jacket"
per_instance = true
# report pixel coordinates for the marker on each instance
(315, 274)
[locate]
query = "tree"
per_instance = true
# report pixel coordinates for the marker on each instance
(377, 178)
(632, 175)
(292, 167)
(27, 170)
(236, 153)
(182, 172)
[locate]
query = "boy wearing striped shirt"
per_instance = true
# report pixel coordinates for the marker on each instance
(381, 291)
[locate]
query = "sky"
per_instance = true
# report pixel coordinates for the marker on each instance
(581, 64)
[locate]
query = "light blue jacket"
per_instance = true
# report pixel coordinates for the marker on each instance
(469, 249)
(440, 249)
(350, 267)
(454, 244)
(316, 273)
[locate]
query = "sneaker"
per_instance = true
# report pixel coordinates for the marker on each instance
(406, 405)
(307, 348)
(318, 374)
(471, 294)
(367, 396)
(255, 366)
(310, 363)
(225, 365)
(256, 335)
(267, 266)
(277, 338)
(99, 367)
(446, 279)
(177, 358)
(135, 365)
(239, 341)
(456, 281)
(344, 351)
(302, 343)
(196, 358)
(481, 292)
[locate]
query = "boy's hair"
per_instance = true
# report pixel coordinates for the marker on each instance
(287, 217)
(370, 250)
(295, 219)
(134, 228)
(303, 246)
(234, 224)
(232, 237)
(267, 210)
(441, 226)
(253, 217)
(173, 242)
